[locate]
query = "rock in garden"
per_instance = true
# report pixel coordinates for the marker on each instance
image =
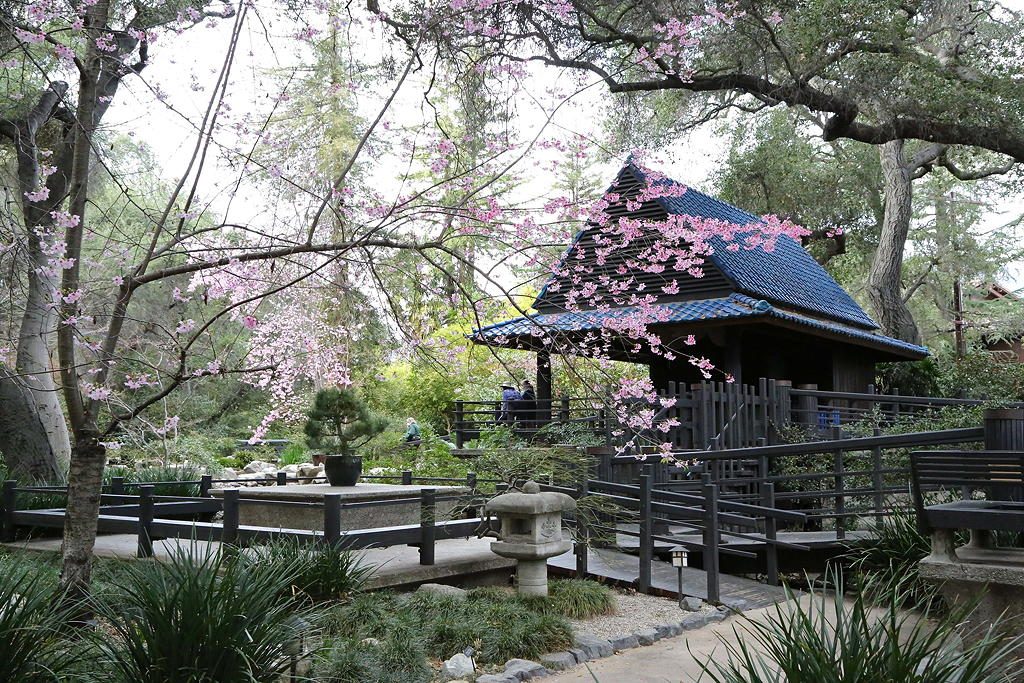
(257, 467)
(442, 589)
(624, 642)
(310, 470)
(594, 647)
(558, 661)
(668, 630)
(458, 666)
(290, 469)
(695, 620)
(524, 669)
(647, 636)
(693, 604)
(497, 678)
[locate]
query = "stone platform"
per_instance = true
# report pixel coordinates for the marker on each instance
(987, 581)
(300, 506)
(463, 561)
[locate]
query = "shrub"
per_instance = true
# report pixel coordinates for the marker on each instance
(398, 658)
(294, 454)
(199, 618)
(578, 599)
(163, 476)
(570, 433)
(831, 640)
(889, 560)
(320, 572)
(497, 624)
(31, 617)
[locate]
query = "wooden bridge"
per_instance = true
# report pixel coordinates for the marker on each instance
(760, 510)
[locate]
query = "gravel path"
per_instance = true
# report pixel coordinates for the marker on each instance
(635, 611)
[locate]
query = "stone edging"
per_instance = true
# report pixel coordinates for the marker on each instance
(589, 647)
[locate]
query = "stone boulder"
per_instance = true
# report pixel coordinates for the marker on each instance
(459, 666)
(259, 467)
(442, 589)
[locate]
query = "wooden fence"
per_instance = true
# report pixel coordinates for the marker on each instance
(709, 415)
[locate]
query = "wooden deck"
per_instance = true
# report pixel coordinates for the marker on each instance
(624, 569)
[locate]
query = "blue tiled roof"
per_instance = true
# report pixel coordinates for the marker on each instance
(733, 306)
(785, 275)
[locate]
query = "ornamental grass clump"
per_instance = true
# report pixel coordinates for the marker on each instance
(320, 572)
(200, 618)
(886, 564)
(32, 616)
(578, 599)
(831, 639)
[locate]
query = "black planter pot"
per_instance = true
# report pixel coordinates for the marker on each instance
(343, 470)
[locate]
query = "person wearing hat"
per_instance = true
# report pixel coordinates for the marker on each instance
(509, 395)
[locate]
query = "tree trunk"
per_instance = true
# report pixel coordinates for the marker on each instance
(85, 481)
(27, 430)
(884, 278)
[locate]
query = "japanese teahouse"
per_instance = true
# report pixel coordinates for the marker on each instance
(754, 313)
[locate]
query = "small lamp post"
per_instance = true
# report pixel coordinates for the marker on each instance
(680, 559)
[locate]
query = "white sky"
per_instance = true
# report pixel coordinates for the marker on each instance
(185, 68)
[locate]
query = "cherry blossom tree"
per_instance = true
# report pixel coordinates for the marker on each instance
(389, 213)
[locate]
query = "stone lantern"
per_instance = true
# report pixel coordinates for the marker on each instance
(531, 532)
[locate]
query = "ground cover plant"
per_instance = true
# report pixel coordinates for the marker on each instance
(226, 618)
(381, 630)
(832, 638)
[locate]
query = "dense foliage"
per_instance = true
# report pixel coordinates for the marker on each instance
(829, 638)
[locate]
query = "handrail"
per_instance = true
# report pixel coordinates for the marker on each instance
(909, 440)
(896, 398)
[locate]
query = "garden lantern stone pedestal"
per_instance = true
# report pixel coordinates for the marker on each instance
(531, 532)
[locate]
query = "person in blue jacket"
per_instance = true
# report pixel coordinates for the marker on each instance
(509, 396)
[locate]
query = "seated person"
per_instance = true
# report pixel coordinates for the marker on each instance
(412, 432)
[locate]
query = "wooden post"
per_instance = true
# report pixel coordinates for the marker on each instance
(332, 519)
(770, 535)
(563, 412)
(459, 426)
(145, 543)
(807, 406)
(646, 542)
(877, 481)
(840, 480)
(10, 506)
(428, 532)
(205, 484)
(1004, 429)
(711, 563)
(471, 481)
(785, 401)
(282, 478)
(406, 477)
(229, 531)
(117, 486)
(543, 387)
(581, 544)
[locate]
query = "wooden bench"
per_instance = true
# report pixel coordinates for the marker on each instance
(991, 489)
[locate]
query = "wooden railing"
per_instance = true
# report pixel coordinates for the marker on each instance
(863, 479)
(712, 415)
(149, 516)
